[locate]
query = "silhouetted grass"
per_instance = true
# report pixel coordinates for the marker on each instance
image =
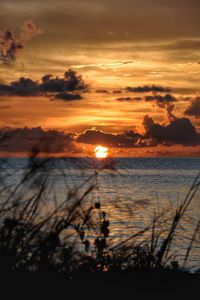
(48, 241)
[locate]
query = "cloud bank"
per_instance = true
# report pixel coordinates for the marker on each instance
(179, 131)
(26, 139)
(148, 88)
(57, 87)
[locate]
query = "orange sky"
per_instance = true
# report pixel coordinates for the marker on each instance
(113, 45)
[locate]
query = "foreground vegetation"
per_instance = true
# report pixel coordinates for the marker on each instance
(65, 246)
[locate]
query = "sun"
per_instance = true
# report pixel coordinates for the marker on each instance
(101, 152)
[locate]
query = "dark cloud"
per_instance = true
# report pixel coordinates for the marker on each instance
(9, 47)
(194, 108)
(178, 131)
(48, 86)
(71, 81)
(121, 140)
(138, 98)
(10, 44)
(68, 96)
(21, 87)
(148, 88)
(117, 91)
(125, 99)
(169, 109)
(161, 99)
(27, 139)
(166, 102)
(102, 91)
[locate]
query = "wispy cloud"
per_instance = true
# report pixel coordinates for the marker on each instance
(10, 44)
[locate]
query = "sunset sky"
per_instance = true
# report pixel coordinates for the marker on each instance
(118, 73)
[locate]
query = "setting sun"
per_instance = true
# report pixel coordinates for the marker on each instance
(101, 152)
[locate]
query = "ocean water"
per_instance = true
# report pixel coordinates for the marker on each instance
(131, 193)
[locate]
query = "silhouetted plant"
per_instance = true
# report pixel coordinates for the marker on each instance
(71, 236)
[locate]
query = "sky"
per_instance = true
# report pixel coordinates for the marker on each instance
(118, 73)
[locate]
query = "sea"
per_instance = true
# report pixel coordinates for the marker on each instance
(132, 192)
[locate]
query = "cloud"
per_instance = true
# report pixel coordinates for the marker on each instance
(10, 45)
(148, 88)
(117, 91)
(22, 87)
(80, 21)
(113, 65)
(138, 98)
(48, 86)
(26, 139)
(178, 131)
(166, 102)
(29, 30)
(68, 97)
(161, 99)
(102, 91)
(125, 99)
(71, 81)
(121, 140)
(194, 108)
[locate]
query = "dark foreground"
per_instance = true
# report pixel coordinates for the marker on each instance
(40, 256)
(138, 284)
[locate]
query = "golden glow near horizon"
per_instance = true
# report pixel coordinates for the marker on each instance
(101, 152)
(117, 57)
